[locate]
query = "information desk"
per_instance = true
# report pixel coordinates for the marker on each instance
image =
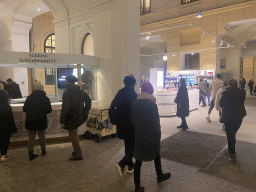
(166, 105)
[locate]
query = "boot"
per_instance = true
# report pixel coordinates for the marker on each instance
(43, 152)
(32, 156)
(163, 177)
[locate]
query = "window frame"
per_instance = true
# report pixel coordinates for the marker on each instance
(142, 8)
(51, 43)
(191, 1)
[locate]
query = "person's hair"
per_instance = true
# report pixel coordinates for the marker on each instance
(39, 86)
(232, 83)
(225, 83)
(219, 76)
(182, 80)
(1, 86)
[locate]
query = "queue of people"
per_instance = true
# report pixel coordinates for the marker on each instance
(12, 88)
(136, 117)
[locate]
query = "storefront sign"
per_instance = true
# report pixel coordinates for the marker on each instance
(46, 58)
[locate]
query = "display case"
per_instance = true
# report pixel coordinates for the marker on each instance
(190, 79)
(171, 80)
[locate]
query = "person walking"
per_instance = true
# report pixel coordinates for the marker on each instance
(182, 102)
(207, 94)
(13, 89)
(147, 134)
(218, 98)
(233, 112)
(250, 84)
(214, 87)
(37, 106)
(242, 83)
(76, 105)
(202, 91)
(122, 103)
(7, 123)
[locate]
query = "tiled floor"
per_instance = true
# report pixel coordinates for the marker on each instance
(96, 173)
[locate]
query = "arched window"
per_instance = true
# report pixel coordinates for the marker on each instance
(88, 45)
(49, 44)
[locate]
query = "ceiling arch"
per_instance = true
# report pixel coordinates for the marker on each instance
(4, 31)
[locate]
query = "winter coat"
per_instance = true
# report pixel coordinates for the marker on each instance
(147, 129)
(13, 90)
(123, 100)
(202, 88)
(7, 123)
(74, 101)
(242, 83)
(250, 84)
(232, 104)
(182, 101)
(37, 106)
(218, 97)
(214, 87)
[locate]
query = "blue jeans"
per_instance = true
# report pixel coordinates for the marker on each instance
(208, 95)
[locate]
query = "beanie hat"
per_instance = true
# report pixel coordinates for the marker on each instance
(129, 81)
(147, 87)
(71, 79)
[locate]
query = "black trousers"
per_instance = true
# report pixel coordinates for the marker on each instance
(129, 153)
(4, 141)
(212, 106)
(183, 122)
(231, 127)
(137, 168)
(201, 98)
(251, 91)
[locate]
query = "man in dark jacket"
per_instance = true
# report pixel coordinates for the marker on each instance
(250, 84)
(76, 105)
(233, 112)
(13, 89)
(125, 130)
(242, 83)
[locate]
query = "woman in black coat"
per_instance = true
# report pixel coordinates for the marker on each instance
(147, 134)
(182, 102)
(233, 112)
(36, 106)
(7, 124)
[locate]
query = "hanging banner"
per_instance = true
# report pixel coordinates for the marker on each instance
(7, 57)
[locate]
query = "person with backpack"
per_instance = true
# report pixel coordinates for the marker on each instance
(76, 105)
(120, 115)
(37, 106)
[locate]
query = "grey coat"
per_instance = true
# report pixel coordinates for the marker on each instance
(202, 88)
(147, 130)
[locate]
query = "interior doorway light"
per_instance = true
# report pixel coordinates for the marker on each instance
(165, 57)
(199, 15)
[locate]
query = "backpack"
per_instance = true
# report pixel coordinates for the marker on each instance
(117, 115)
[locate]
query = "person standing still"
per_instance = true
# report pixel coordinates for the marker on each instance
(202, 91)
(13, 89)
(242, 83)
(182, 102)
(37, 106)
(233, 112)
(142, 81)
(214, 87)
(250, 84)
(125, 129)
(76, 105)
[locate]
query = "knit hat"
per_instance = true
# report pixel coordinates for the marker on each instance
(129, 81)
(147, 87)
(71, 79)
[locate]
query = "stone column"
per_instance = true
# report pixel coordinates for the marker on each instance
(233, 62)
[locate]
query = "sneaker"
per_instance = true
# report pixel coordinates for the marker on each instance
(120, 170)
(232, 157)
(139, 189)
(43, 152)
(75, 158)
(3, 158)
(208, 119)
(163, 177)
(130, 170)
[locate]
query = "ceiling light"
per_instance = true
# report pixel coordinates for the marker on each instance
(147, 38)
(245, 46)
(173, 54)
(213, 40)
(165, 57)
(192, 53)
(199, 14)
(38, 10)
(221, 43)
